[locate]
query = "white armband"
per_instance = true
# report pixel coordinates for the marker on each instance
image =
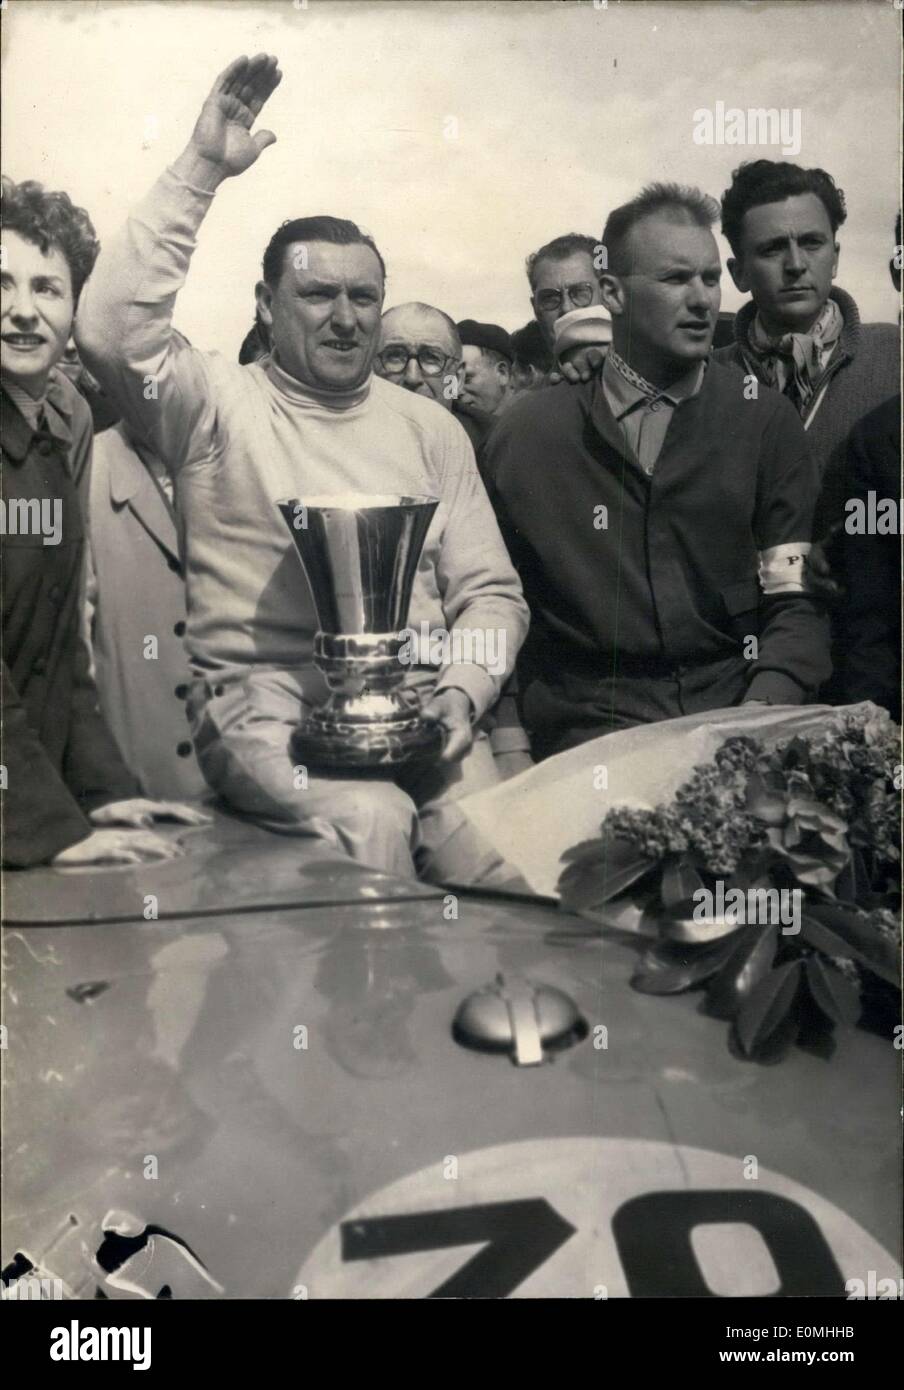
(782, 568)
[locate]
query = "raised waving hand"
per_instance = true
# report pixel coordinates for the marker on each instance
(222, 136)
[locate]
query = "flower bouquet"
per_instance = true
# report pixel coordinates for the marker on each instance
(773, 879)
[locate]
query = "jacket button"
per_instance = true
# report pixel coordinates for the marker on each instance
(181, 692)
(39, 666)
(184, 749)
(219, 690)
(179, 629)
(55, 593)
(45, 448)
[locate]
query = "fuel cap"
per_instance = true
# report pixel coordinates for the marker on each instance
(519, 1017)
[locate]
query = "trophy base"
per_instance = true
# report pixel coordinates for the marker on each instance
(378, 745)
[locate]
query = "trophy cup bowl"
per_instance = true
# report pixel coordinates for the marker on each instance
(360, 553)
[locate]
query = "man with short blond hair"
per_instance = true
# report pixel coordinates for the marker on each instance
(660, 523)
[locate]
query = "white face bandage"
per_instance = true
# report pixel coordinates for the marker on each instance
(782, 568)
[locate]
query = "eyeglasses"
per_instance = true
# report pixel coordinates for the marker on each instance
(394, 360)
(580, 294)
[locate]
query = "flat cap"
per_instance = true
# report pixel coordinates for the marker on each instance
(486, 335)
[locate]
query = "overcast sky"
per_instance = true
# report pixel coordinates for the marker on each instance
(461, 135)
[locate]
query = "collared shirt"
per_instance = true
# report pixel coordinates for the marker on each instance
(641, 409)
(29, 406)
(238, 438)
(653, 576)
(863, 372)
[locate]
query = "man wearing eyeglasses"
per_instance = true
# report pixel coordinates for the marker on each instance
(564, 275)
(420, 350)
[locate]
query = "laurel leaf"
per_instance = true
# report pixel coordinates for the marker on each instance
(769, 1003)
(837, 996)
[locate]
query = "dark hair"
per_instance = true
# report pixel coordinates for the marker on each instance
(559, 249)
(256, 342)
(51, 220)
(654, 198)
(335, 230)
(762, 181)
(531, 349)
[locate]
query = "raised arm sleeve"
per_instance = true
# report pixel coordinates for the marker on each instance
(124, 331)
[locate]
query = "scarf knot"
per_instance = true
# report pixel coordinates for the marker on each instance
(795, 363)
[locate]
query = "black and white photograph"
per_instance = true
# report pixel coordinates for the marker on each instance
(451, 775)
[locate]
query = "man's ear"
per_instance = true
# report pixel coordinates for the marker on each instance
(837, 257)
(264, 299)
(736, 271)
(505, 371)
(612, 293)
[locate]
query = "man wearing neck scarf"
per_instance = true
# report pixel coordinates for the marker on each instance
(308, 418)
(795, 363)
(798, 334)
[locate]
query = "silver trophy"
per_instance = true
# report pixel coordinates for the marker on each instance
(360, 554)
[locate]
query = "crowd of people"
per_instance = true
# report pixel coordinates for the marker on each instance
(647, 499)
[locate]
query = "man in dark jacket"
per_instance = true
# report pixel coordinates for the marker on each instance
(870, 617)
(65, 788)
(798, 334)
(643, 508)
(804, 337)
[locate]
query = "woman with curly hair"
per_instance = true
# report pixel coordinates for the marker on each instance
(67, 791)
